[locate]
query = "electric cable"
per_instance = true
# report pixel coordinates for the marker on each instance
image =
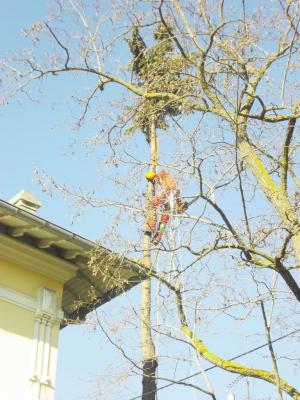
(215, 366)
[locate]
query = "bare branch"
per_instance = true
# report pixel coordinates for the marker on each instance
(285, 153)
(60, 44)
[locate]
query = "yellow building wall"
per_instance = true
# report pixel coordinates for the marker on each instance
(16, 336)
(28, 333)
(27, 281)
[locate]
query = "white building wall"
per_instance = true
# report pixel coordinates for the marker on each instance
(29, 329)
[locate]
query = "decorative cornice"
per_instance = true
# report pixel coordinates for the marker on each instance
(17, 298)
(36, 260)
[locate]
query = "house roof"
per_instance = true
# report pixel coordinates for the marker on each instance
(117, 273)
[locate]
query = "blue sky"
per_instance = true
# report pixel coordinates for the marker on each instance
(39, 135)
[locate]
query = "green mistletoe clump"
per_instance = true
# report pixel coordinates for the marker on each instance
(158, 69)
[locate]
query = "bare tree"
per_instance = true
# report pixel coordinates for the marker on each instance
(225, 90)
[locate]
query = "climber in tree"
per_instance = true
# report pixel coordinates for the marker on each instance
(168, 201)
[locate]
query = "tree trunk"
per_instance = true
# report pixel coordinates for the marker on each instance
(149, 359)
(273, 192)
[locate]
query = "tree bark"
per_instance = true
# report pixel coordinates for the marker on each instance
(273, 192)
(149, 359)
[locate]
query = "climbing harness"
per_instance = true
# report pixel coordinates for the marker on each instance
(167, 202)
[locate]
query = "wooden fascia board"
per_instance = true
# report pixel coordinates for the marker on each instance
(80, 314)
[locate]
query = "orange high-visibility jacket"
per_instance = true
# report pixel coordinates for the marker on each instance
(165, 180)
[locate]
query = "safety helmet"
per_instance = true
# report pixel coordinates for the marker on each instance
(150, 175)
